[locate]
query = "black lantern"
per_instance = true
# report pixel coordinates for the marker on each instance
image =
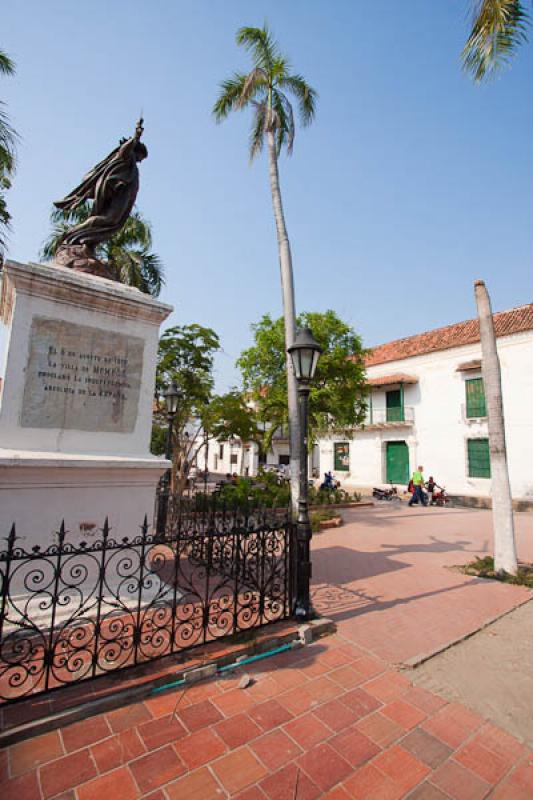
(172, 396)
(305, 352)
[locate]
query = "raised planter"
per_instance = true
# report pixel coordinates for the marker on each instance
(334, 522)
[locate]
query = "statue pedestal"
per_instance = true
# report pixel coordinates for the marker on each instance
(78, 377)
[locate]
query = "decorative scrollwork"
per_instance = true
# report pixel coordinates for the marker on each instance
(72, 612)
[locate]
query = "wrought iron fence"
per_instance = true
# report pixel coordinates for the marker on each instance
(72, 612)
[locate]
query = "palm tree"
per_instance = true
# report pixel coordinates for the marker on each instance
(128, 252)
(8, 140)
(498, 28)
(502, 505)
(266, 88)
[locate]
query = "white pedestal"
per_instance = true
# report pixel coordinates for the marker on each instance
(78, 379)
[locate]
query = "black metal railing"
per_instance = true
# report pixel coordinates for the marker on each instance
(70, 612)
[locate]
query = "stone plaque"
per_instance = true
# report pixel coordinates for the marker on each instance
(81, 378)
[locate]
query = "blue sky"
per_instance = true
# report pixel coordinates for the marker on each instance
(411, 183)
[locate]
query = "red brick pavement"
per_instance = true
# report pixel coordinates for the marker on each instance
(333, 720)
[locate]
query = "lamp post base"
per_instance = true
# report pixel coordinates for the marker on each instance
(303, 607)
(304, 613)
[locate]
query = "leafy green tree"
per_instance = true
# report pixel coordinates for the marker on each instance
(266, 89)
(338, 392)
(499, 27)
(231, 416)
(186, 356)
(8, 141)
(128, 252)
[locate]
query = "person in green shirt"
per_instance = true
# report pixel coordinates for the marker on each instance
(418, 483)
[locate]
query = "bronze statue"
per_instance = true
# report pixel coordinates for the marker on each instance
(112, 185)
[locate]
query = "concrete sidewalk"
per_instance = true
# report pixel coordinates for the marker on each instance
(333, 720)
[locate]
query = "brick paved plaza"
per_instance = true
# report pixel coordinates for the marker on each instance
(338, 719)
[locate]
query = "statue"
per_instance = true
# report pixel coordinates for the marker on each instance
(112, 185)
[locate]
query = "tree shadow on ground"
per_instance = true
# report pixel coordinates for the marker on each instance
(340, 602)
(339, 564)
(335, 568)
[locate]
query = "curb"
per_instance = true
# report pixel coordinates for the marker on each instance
(417, 661)
(296, 639)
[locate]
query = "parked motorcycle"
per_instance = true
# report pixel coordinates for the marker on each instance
(329, 484)
(440, 498)
(385, 494)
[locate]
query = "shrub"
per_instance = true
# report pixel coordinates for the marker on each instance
(328, 497)
(319, 516)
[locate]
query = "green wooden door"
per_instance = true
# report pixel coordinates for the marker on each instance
(397, 462)
(394, 406)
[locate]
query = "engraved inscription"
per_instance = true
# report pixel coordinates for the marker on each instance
(81, 378)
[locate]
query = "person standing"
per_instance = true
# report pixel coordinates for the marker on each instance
(418, 483)
(430, 486)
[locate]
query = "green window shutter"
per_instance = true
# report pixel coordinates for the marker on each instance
(394, 406)
(478, 458)
(475, 398)
(341, 456)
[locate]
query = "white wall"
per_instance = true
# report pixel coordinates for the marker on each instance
(438, 437)
(250, 457)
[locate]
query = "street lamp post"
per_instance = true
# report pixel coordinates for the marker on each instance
(231, 442)
(206, 455)
(171, 397)
(304, 352)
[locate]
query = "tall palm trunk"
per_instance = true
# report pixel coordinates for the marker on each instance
(502, 508)
(289, 315)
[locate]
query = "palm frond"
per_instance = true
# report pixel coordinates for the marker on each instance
(5, 225)
(257, 134)
(8, 143)
(280, 67)
(256, 82)
(152, 270)
(71, 216)
(136, 231)
(50, 246)
(305, 95)
(283, 121)
(499, 27)
(229, 96)
(7, 65)
(259, 42)
(126, 266)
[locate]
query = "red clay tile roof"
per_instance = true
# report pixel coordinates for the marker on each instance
(505, 323)
(389, 380)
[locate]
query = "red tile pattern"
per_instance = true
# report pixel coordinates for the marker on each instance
(359, 730)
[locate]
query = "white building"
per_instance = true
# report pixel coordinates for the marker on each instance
(427, 407)
(230, 455)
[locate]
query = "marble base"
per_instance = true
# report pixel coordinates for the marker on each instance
(40, 490)
(76, 395)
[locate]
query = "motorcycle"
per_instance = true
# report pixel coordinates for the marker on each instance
(329, 484)
(440, 498)
(385, 494)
